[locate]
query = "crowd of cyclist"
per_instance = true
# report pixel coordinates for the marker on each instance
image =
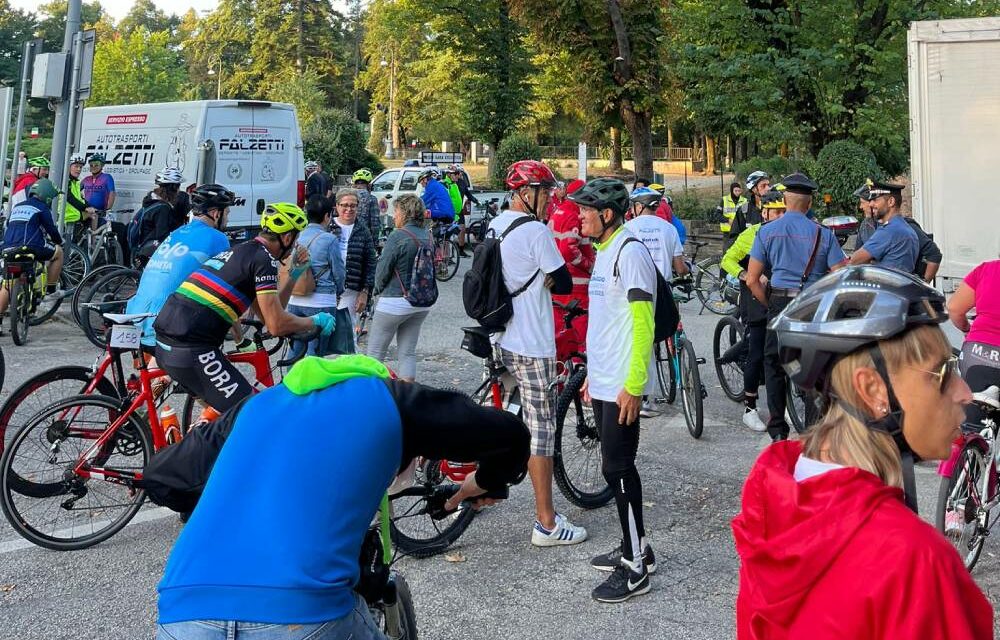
(819, 514)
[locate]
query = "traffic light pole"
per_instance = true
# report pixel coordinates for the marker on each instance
(64, 108)
(31, 47)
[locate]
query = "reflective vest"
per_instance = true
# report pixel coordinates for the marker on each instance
(72, 213)
(729, 211)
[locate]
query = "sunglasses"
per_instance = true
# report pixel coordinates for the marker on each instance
(944, 373)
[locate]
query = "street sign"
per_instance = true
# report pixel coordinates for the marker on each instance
(440, 157)
(89, 38)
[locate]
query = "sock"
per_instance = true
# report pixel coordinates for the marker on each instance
(751, 403)
(634, 565)
(643, 543)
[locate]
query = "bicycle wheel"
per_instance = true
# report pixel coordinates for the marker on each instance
(19, 311)
(795, 406)
(959, 515)
(708, 286)
(111, 293)
(691, 390)
(413, 530)
(577, 456)
(666, 386)
(398, 620)
(446, 264)
(60, 510)
(729, 332)
(82, 291)
(76, 265)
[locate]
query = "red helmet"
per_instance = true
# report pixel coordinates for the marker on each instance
(529, 173)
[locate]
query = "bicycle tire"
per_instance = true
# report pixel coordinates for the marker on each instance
(728, 332)
(63, 539)
(19, 311)
(795, 406)
(83, 289)
(47, 306)
(587, 434)
(969, 543)
(76, 265)
(671, 372)
(708, 287)
(3, 376)
(446, 269)
(663, 379)
(446, 530)
(694, 410)
(112, 292)
(407, 621)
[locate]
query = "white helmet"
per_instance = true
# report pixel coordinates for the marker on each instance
(312, 165)
(169, 176)
(76, 158)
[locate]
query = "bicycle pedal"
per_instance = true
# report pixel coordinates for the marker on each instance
(699, 360)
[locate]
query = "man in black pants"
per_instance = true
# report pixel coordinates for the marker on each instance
(619, 347)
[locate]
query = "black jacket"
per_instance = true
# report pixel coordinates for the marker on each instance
(928, 251)
(361, 260)
(746, 215)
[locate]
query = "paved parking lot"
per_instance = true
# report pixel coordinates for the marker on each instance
(495, 585)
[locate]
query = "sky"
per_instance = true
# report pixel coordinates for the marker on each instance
(118, 8)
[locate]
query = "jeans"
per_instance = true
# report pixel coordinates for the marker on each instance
(317, 347)
(406, 329)
(356, 625)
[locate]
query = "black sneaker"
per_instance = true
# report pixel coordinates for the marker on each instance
(612, 559)
(622, 584)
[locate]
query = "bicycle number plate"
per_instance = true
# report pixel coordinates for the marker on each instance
(124, 336)
(514, 408)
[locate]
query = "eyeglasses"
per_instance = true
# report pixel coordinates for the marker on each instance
(347, 206)
(944, 373)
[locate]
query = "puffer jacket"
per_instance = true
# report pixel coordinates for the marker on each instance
(369, 213)
(361, 261)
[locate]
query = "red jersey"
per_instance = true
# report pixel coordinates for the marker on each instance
(576, 250)
(24, 181)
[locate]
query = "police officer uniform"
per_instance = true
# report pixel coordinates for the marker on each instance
(894, 244)
(786, 248)
(868, 224)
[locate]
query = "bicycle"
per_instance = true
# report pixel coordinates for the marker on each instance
(677, 368)
(446, 252)
(110, 294)
(708, 282)
(364, 321)
(101, 245)
(475, 232)
(83, 290)
(385, 591)
(87, 438)
(968, 493)
(26, 278)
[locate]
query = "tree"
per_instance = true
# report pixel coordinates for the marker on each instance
(145, 14)
(139, 68)
(16, 27)
(303, 91)
(52, 26)
(619, 56)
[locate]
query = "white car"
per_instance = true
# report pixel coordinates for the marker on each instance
(392, 183)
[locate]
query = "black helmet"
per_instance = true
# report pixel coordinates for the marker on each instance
(211, 196)
(603, 193)
(847, 310)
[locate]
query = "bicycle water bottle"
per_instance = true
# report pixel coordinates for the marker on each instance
(208, 414)
(170, 424)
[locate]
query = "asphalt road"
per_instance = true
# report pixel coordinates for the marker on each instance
(496, 585)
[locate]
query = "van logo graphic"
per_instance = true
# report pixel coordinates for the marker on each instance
(234, 171)
(135, 118)
(251, 144)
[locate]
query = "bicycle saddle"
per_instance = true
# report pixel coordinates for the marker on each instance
(128, 318)
(990, 397)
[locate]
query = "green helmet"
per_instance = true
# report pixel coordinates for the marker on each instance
(39, 161)
(603, 193)
(44, 190)
(97, 157)
(362, 175)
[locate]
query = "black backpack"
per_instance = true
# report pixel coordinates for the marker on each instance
(666, 316)
(484, 293)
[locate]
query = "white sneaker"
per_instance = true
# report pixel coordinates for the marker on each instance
(751, 419)
(565, 533)
(649, 410)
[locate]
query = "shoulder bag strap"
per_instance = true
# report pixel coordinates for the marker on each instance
(324, 269)
(514, 225)
(812, 257)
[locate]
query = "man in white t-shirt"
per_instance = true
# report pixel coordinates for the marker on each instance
(528, 346)
(665, 247)
(619, 344)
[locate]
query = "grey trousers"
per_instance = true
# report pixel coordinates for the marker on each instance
(406, 330)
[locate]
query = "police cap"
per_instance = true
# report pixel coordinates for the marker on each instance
(877, 189)
(799, 183)
(864, 191)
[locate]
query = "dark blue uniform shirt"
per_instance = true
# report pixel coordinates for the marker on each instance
(784, 247)
(894, 244)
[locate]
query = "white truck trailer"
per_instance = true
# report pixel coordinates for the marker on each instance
(954, 85)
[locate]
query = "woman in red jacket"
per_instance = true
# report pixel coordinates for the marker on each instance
(829, 542)
(576, 250)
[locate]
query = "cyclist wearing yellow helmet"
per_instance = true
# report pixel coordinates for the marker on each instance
(369, 213)
(193, 322)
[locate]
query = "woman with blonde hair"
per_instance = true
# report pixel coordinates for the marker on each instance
(828, 538)
(395, 316)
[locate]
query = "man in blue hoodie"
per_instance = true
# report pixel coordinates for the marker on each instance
(436, 198)
(273, 545)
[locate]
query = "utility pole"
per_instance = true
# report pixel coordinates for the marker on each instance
(356, 17)
(64, 106)
(300, 61)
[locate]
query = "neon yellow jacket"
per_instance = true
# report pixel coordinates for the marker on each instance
(739, 250)
(729, 211)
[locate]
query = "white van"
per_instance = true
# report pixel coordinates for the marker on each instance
(249, 146)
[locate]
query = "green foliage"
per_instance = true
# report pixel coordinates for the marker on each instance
(337, 140)
(511, 149)
(841, 167)
(376, 136)
(304, 91)
(52, 25)
(16, 26)
(775, 166)
(138, 68)
(144, 14)
(688, 205)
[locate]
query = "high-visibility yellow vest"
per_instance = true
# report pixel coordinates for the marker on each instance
(72, 213)
(729, 211)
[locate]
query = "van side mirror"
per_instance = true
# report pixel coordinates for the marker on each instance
(260, 206)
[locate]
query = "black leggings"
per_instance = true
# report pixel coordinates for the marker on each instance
(753, 367)
(980, 367)
(206, 373)
(619, 444)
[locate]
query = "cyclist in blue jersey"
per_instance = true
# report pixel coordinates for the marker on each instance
(31, 225)
(435, 197)
(182, 253)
